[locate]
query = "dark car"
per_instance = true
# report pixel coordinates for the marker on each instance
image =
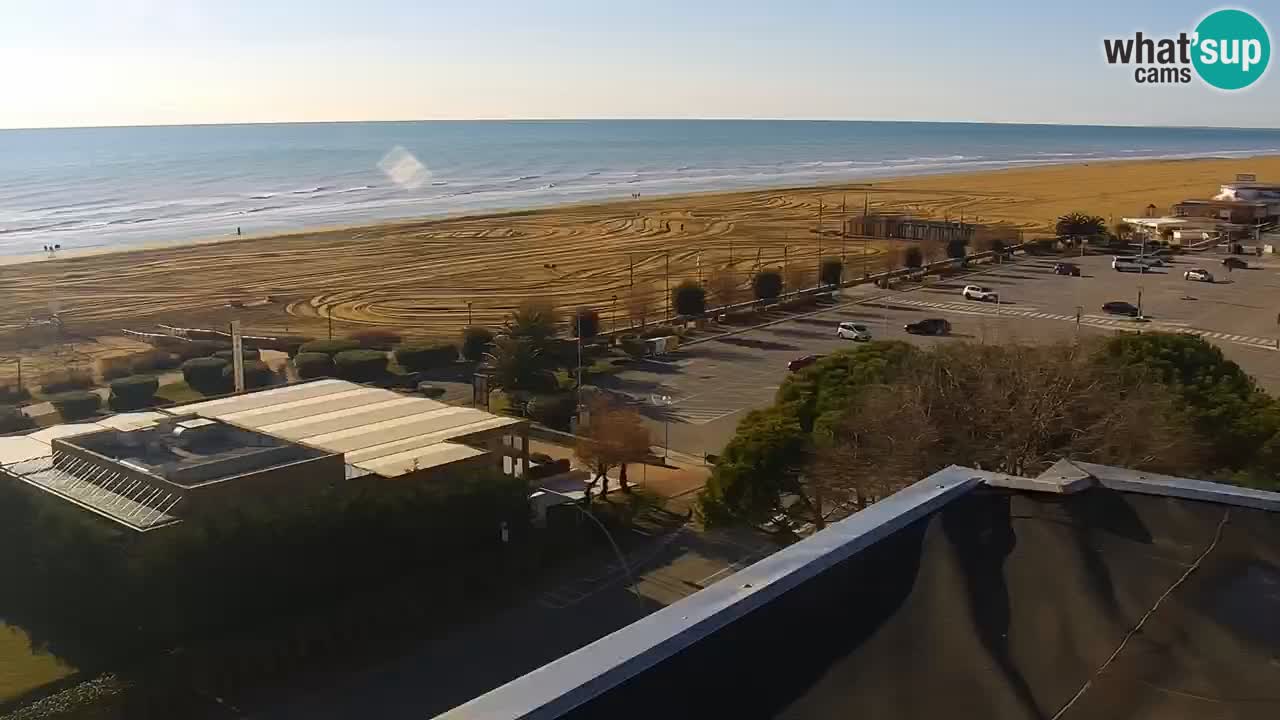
(1066, 269)
(929, 326)
(801, 363)
(1235, 264)
(1120, 308)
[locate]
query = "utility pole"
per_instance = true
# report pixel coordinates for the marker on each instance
(329, 312)
(784, 270)
(667, 255)
(632, 259)
(468, 313)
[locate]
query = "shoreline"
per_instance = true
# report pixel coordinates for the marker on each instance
(868, 183)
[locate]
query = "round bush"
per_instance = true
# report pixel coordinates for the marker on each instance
(554, 410)
(247, 353)
(329, 347)
(12, 420)
(475, 340)
(376, 339)
(832, 270)
(205, 376)
(431, 391)
(74, 406)
(417, 357)
(360, 365)
(256, 375)
(766, 285)
(689, 298)
(133, 392)
(313, 365)
(153, 361)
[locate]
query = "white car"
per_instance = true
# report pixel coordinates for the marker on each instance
(853, 331)
(1198, 274)
(977, 292)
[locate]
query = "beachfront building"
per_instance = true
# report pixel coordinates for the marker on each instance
(1184, 231)
(1249, 191)
(149, 470)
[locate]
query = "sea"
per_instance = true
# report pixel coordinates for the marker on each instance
(95, 188)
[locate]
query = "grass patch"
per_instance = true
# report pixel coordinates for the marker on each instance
(178, 392)
(499, 403)
(22, 667)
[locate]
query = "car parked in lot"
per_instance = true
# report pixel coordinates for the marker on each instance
(853, 331)
(1066, 269)
(1235, 263)
(1118, 307)
(1137, 263)
(801, 363)
(929, 326)
(977, 292)
(1198, 274)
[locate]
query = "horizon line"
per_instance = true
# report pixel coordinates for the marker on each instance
(253, 123)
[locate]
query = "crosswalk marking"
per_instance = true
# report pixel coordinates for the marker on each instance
(1091, 320)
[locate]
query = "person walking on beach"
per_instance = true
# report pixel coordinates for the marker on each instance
(237, 231)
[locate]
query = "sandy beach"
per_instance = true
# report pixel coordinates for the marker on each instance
(420, 276)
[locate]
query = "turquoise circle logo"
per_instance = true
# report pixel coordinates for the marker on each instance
(1232, 49)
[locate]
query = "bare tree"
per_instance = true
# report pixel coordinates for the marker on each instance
(614, 437)
(639, 305)
(725, 286)
(799, 277)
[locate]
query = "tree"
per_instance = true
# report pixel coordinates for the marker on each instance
(766, 285)
(76, 405)
(329, 347)
(913, 257)
(533, 320)
(724, 286)
(133, 392)
(553, 409)
(417, 357)
(313, 365)
(256, 375)
(689, 299)
(475, 340)
(586, 323)
(518, 365)
(831, 272)
(614, 436)
(957, 248)
(1080, 225)
(758, 467)
(797, 277)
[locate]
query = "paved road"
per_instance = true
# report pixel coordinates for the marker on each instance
(712, 384)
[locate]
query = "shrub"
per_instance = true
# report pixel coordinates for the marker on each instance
(431, 391)
(552, 410)
(831, 272)
(112, 368)
(205, 376)
(13, 420)
(256, 375)
(423, 356)
(290, 344)
(66, 381)
(689, 298)
(329, 347)
(133, 392)
(246, 353)
(475, 341)
(313, 365)
(912, 257)
(200, 348)
(13, 394)
(154, 361)
(76, 405)
(658, 331)
(586, 323)
(376, 339)
(766, 285)
(360, 365)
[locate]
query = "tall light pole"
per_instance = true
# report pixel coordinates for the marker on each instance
(613, 314)
(622, 561)
(468, 313)
(664, 401)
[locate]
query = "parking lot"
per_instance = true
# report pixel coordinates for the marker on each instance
(711, 384)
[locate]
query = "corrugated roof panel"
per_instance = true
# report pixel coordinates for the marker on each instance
(422, 458)
(262, 398)
(306, 407)
(401, 428)
(397, 407)
(21, 447)
(48, 434)
(419, 441)
(132, 420)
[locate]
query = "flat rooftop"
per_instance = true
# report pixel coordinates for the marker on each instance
(377, 430)
(1096, 593)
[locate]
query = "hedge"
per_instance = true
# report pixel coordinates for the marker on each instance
(632, 346)
(12, 420)
(205, 376)
(328, 347)
(422, 356)
(256, 375)
(74, 406)
(475, 340)
(246, 353)
(431, 391)
(376, 339)
(360, 365)
(153, 361)
(133, 392)
(554, 411)
(313, 365)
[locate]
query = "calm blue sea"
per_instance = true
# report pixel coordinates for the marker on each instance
(87, 188)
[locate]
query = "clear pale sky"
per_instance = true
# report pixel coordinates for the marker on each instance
(144, 62)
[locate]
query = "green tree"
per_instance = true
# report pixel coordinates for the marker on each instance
(417, 357)
(825, 389)
(329, 347)
(133, 392)
(519, 365)
(360, 365)
(758, 468)
(689, 299)
(533, 320)
(205, 375)
(76, 405)
(766, 284)
(313, 365)
(475, 340)
(957, 248)
(586, 323)
(1080, 225)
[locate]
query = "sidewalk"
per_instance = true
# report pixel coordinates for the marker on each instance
(681, 475)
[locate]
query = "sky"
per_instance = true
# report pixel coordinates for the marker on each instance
(156, 62)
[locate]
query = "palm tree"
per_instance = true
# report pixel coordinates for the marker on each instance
(517, 364)
(1077, 224)
(534, 320)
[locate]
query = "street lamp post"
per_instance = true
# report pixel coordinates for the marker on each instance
(613, 314)
(622, 561)
(468, 313)
(664, 401)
